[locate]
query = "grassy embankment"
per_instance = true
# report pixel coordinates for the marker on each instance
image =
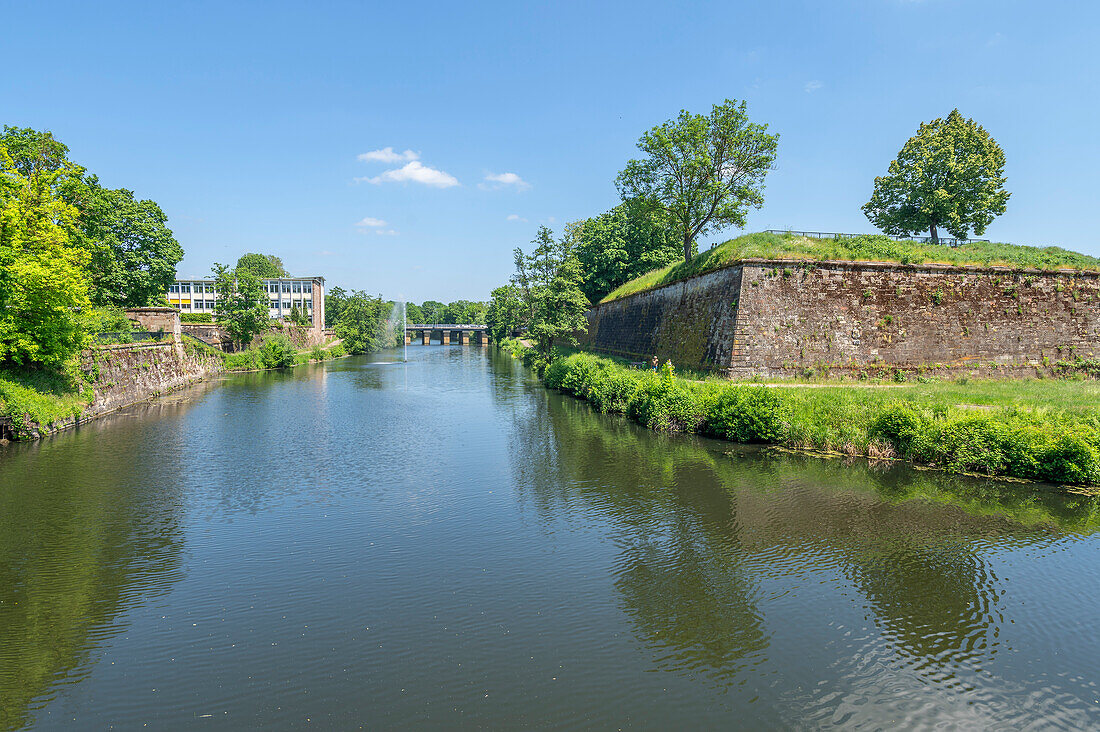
(858, 249)
(29, 396)
(1035, 430)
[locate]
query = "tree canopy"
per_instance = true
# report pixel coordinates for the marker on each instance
(548, 283)
(44, 283)
(703, 172)
(621, 244)
(241, 307)
(134, 262)
(264, 266)
(362, 323)
(950, 175)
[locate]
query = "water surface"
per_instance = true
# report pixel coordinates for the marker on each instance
(448, 544)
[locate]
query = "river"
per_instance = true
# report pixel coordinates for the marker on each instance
(446, 544)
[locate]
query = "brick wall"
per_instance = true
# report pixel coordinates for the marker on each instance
(779, 318)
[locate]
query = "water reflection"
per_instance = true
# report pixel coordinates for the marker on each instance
(706, 530)
(97, 538)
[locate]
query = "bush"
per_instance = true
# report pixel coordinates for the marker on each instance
(748, 414)
(337, 351)
(317, 353)
(899, 424)
(196, 318)
(277, 352)
(662, 403)
(249, 360)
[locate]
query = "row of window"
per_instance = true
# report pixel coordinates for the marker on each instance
(203, 288)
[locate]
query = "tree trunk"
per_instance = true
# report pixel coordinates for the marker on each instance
(935, 236)
(687, 247)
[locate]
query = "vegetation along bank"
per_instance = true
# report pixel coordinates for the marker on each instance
(1034, 430)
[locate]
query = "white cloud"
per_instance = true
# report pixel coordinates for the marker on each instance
(501, 180)
(371, 222)
(812, 86)
(415, 172)
(515, 217)
(387, 232)
(388, 155)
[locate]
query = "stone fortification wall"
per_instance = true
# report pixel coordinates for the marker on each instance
(691, 322)
(781, 318)
(123, 375)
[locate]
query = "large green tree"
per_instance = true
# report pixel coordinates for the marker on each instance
(703, 172)
(264, 266)
(362, 323)
(621, 244)
(241, 307)
(549, 284)
(134, 262)
(432, 310)
(505, 313)
(44, 283)
(949, 175)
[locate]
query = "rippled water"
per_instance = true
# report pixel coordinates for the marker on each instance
(447, 544)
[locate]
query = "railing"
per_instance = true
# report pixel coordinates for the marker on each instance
(445, 326)
(131, 336)
(833, 235)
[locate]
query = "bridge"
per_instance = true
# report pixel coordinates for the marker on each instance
(460, 333)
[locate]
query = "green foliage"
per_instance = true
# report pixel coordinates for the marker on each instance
(950, 175)
(505, 313)
(627, 241)
(362, 324)
(277, 351)
(241, 307)
(432, 312)
(1037, 444)
(264, 266)
(413, 313)
(763, 245)
(196, 318)
(249, 360)
(464, 312)
(109, 319)
(337, 351)
(135, 255)
(703, 172)
(334, 305)
(748, 414)
(44, 283)
(35, 396)
(548, 284)
(318, 354)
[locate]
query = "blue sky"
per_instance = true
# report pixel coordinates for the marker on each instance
(251, 124)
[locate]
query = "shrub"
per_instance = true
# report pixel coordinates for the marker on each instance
(748, 414)
(317, 353)
(662, 403)
(899, 424)
(613, 392)
(196, 318)
(337, 351)
(277, 351)
(244, 361)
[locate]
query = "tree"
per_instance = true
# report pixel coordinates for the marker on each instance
(134, 262)
(432, 311)
(621, 244)
(362, 323)
(264, 266)
(413, 313)
(505, 313)
(703, 172)
(44, 283)
(950, 174)
(548, 281)
(335, 299)
(241, 307)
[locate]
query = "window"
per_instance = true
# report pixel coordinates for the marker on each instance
(286, 305)
(286, 287)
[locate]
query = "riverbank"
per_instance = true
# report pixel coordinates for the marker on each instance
(1033, 430)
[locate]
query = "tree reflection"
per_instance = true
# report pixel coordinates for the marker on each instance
(698, 531)
(75, 552)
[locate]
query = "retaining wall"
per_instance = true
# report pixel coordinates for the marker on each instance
(777, 318)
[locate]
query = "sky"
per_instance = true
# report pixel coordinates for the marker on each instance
(405, 148)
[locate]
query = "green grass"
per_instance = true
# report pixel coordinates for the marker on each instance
(858, 249)
(28, 396)
(1037, 430)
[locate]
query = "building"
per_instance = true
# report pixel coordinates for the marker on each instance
(283, 295)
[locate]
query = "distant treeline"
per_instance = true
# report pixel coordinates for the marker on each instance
(459, 312)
